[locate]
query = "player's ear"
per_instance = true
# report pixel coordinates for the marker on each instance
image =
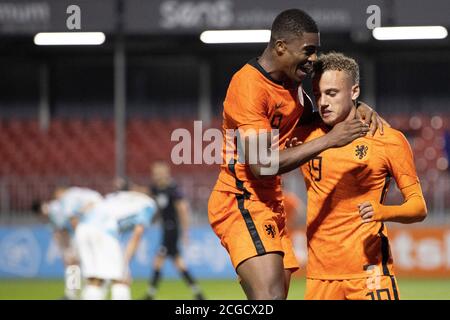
(280, 47)
(355, 92)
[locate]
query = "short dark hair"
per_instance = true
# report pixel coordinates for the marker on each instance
(292, 22)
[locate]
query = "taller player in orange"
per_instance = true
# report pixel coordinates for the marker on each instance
(348, 247)
(245, 208)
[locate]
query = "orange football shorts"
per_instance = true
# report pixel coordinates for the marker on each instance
(372, 288)
(248, 228)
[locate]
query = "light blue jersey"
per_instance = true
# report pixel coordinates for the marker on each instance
(71, 204)
(58, 220)
(120, 212)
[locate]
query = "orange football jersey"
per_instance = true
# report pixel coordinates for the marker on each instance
(340, 246)
(255, 101)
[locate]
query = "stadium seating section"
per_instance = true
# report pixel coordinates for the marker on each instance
(82, 152)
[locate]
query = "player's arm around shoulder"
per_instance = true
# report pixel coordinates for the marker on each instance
(400, 161)
(309, 129)
(297, 154)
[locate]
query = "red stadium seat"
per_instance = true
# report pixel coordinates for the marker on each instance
(83, 150)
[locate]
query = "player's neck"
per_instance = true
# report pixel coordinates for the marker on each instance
(351, 114)
(269, 64)
(162, 183)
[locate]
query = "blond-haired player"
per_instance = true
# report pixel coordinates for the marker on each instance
(348, 247)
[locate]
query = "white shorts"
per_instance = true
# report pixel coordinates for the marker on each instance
(100, 254)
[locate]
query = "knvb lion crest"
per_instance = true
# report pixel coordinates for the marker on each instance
(361, 151)
(270, 230)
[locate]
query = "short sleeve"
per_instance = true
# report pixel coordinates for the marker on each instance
(176, 192)
(401, 161)
(145, 216)
(246, 104)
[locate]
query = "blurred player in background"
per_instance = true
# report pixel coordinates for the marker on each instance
(174, 215)
(294, 208)
(125, 184)
(348, 248)
(62, 212)
(245, 208)
(97, 239)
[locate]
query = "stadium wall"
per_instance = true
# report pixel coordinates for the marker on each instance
(417, 251)
(30, 252)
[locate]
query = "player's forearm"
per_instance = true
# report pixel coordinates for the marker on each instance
(64, 239)
(58, 236)
(291, 158)
(184, 218)
(183, 215)
(130, 250)
(412, 210)
(132, 246)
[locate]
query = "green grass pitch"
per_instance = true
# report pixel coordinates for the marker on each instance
(26, 289)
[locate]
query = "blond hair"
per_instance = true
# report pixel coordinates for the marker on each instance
(337, 61)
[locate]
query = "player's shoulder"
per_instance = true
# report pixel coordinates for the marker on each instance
(173, 184)
(250, 74)
(132, 194)
(173, 187)
(392, 143)
(391, 136)
(72, 190)
(247, 70)
(81, 191)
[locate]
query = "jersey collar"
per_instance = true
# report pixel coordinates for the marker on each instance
(254, 63)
